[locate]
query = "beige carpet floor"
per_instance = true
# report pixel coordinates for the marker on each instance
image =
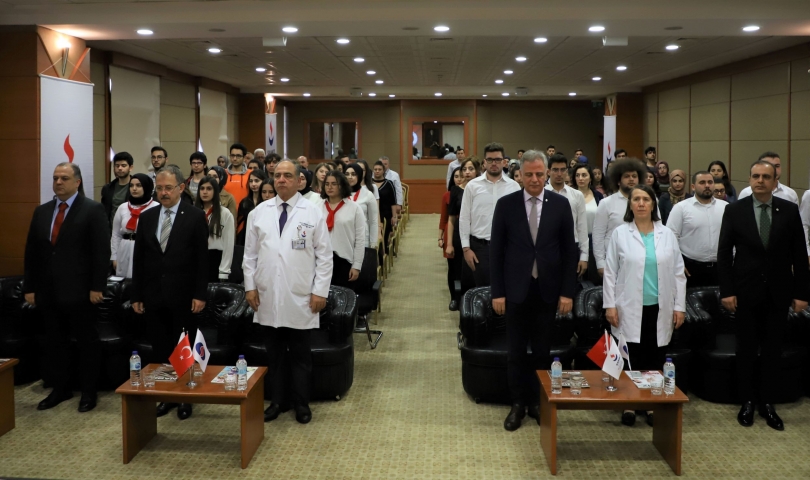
(405, 417)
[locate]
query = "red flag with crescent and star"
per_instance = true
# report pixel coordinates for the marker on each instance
(182, 358)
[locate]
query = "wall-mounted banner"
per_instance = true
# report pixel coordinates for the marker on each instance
(609, 146)
(271, 144)
(66, 131)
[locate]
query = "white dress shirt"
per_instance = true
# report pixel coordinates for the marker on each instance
(697, 227)
(609, 215)
(804, 211)
(590, 213)
(371, 213)
(782, 191)
(349, 232)
(394, 178)
(528, 203)
(577, 201)
(224, 242)
(478, 206)
(450, 167)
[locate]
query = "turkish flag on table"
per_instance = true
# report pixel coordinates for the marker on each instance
(607, 355)
(182, 358)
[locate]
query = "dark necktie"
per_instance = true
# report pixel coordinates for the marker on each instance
(57, 223)
(282, 219)
(764, 225)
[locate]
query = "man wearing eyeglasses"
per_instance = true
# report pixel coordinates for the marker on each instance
(159, 157)
(477, 207)
(199, 165)
(238, 173)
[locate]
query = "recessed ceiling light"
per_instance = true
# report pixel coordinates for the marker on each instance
(520, 59)
(359, 59)
(372, 94)
(751, 28)
(673, 47)
(437, 94)
(289, 29)
(505, 94)
(391, 95)
(596, 28)
(621, 68)
(343, 41)
(378, 82)
(284, 79)
(572, 94)
(261, 69)
(145, 31)
(499, 81)
(215, 50)
(596, 79)
(508, 72)
(306, 94)
(484, 95)
(540, 40)
(371, 72)
(441, 28)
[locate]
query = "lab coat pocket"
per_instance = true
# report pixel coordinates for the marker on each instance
(301, 281)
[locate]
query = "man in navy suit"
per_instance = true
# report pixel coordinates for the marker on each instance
(533, 262)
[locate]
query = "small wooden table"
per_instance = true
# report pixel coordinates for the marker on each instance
(139, 413)
(7, 395)
(668, 411)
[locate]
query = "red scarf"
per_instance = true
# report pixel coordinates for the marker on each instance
(134, 213)
(330, 218)
(208, 214)
(356, 194)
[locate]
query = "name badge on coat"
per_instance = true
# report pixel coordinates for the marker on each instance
(300, 242)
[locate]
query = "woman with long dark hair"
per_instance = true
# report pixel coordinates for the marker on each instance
(220, 230)
(125, 223)
(363, 197)
(318, 176)
(583, 176)
(720, 174)
(388, 198)
(347, 229)
(268, 189)
(225, 198)
(456, 178)
(247, 205)
(470, 169)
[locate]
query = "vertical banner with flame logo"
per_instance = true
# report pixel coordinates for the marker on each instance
(66, 131)
(270, 133)
(609, 146)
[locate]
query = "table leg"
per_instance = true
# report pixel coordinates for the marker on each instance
(139, 420)
(548, 431)
(667, 433)
(6, 401)
(252, 418)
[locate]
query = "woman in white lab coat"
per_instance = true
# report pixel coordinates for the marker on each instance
(644, 291)
(347, 228)
(125, 222)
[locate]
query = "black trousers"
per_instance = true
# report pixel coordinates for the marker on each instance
(61, 321)
(289, 365)
(481, 274)
(214, 259)
(528, 323)
(761, 328)
(340, 271)
(701, 274)
(451, 278)
(647, 355)
(164, 324)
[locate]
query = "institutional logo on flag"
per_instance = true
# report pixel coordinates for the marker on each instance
(201, 353)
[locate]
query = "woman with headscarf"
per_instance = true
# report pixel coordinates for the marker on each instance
(305, 186)
(363, 197)
(677, 191)
(125, 223)
(662, 175)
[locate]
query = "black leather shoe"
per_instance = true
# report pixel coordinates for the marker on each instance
(534, 412)
(272, 412)
(184, 411)
(164, 408)
(767, 412)
(515, 417)
(54, 399)
(88, 402)
(629, 418)
(453, 305)
(746, 415)
(303, 414)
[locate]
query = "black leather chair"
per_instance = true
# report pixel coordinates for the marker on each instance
(714, 373)
(332, 346)
(368, 296)
(484, 347)
(17, 331)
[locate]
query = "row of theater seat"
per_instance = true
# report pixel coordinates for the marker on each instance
(703, 349)
(226, 323)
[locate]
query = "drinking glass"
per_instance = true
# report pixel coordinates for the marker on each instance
(657, 385)
(149, 379)
(576, 384)
(230, 379)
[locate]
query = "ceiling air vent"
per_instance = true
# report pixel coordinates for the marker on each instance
(521, 91)
(356, 92)
(442, 39)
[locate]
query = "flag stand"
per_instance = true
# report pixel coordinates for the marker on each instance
(191, 383)
(610, 387)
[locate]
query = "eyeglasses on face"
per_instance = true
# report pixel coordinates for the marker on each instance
(158, 157)
(167, 189)
(237, 156)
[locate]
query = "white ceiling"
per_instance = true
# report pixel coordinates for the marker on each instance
(483, 41)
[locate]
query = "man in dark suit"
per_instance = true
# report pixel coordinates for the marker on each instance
(170, 269)
(768, 274)
(67, 255)
(533, 263)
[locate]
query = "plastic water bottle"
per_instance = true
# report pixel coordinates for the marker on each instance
(135, 369)
(556, 376)
(241, 373)
(669, 377)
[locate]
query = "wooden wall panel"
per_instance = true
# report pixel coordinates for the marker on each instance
(425, 196)
(251, 120)
(629, 126)
(19, 108)
(24, 186)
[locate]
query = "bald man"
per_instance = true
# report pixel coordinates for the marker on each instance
(303, 161)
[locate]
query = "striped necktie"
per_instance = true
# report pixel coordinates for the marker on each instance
(166, 230)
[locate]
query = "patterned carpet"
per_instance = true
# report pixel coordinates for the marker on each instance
(405, 417)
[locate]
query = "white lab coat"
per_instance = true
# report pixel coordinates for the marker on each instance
(623, 286)
(285, 277)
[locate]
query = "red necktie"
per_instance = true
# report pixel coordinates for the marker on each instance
(57, 224)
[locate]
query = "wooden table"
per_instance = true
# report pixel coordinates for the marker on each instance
(668, 411)
(139, 412)
(7, 395)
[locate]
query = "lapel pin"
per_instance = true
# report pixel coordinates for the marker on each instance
(777, 209)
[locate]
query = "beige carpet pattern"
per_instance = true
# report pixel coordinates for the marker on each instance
(405, 417)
